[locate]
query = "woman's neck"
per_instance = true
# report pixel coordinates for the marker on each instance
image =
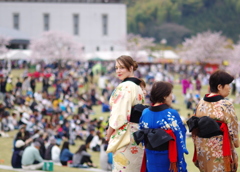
(132, 76)
(213, 94)
(158, 104)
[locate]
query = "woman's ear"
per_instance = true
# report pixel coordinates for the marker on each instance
(131, 68)
(219, 87)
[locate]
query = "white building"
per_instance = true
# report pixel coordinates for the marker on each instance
(99, 25)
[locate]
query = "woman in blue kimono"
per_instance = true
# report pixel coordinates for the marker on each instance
(163, 132)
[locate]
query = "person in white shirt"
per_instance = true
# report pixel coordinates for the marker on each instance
(95, 143)
(56, 152)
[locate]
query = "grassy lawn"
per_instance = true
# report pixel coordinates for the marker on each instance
(6, 143)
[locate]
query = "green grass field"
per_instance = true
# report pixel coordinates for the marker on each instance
(6, 143)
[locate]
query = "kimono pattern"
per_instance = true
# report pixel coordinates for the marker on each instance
(209, 150)
(165, 118)
(127, 157)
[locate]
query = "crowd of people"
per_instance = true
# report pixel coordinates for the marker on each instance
(52, 117)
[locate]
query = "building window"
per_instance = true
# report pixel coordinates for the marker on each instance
(46, 21)
(16, 21)
(112, 48)
(97, 48)
(105, 24)
(75, 24)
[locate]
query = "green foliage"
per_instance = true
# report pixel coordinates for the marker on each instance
(175, 20)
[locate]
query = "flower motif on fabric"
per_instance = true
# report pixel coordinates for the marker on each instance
(134, 150)
(203, 108)
(123, 128)
(115, 99)
(144, 124)
(229, 108)
(119, 131)
(128, 117)
(139, 97)
(218, 168)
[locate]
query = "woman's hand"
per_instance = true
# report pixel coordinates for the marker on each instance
(110, 131)
(235, 162)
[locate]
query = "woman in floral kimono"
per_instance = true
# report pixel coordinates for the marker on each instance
(216, 152)
(164, 132)
(127, 155)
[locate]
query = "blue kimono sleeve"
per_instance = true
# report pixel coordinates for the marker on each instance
(183, 130)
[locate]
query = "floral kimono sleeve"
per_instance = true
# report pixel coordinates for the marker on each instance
(232, 123)
(121, 103)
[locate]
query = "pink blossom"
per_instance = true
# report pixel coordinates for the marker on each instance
(56, 46)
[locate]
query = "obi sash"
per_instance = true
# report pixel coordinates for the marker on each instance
(136, 112)
(209, 129)
(158, 139)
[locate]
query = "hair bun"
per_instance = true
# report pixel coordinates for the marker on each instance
(135, 65)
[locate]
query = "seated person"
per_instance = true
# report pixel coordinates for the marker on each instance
(31, 158)
(82, 157)
(95, 143)
(55, 152)
(65, 154)
(106, 159)
(105, 107)
(48, 152)
(17, 154)
(90, 136)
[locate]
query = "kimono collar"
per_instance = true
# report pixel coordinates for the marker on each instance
(133, 79)
(158, 108)
(213, 98)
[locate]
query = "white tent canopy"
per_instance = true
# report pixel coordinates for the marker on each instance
(167, 54)
(17, 55)
(140, 55)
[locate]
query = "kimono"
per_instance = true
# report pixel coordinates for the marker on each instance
(127, 155)
(165, 118)
(209, 151)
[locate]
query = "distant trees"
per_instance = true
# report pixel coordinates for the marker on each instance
(136, 43)
(207, 47)
(55, 45)
(175, 20)
(234, 60)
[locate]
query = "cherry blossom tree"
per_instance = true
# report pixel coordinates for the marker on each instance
(136, 43)
(4, 41)
(234, 60)
(56, 45)
(207, 47)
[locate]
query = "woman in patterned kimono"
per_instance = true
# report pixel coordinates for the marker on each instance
(127, 155)
(212, 154)
(161, 154)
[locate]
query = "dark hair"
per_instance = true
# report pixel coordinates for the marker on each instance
(219, 77)
(142, 83)
(127, 61)
(82, 148)
(159, 91)
(65, 146)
